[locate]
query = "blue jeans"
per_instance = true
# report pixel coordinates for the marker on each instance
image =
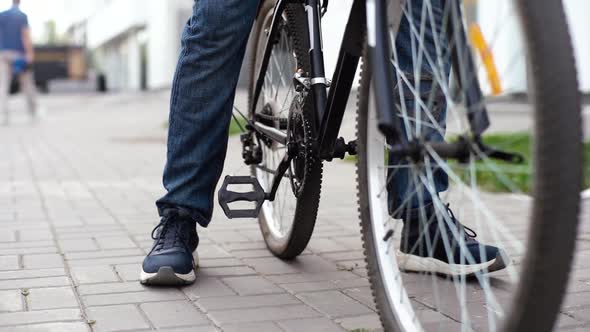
(406, 192)
(213, 46)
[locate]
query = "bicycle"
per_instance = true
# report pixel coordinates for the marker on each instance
(293, 125)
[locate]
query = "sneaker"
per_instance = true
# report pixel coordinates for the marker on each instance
(171, 261)
(423, 249)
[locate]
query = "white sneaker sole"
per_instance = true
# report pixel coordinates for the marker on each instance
(167, 277)
(413, 263)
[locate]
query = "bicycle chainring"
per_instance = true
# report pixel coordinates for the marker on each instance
(301, 146)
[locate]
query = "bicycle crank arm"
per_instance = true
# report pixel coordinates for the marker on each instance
(461, 150)
(493, 153)
(464, 148)
(280, 172)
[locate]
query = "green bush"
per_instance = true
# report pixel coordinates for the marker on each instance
(234, 127)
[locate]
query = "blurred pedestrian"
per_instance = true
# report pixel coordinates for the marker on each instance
(16, 59)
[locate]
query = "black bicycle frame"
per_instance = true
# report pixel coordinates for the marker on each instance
(330, 108)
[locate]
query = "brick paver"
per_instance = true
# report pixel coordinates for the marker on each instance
(11, 301)
(113, 318)
(51, 298)
(77, 206)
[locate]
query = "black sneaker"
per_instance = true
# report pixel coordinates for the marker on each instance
(423, 249)
(171, 261)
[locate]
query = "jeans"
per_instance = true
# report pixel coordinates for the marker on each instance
(407, 192)
(213, 46)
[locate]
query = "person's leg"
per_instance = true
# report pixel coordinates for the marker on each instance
(406, 193)
(423, 230)
(213, 46)
(27, 83)
(5, 79)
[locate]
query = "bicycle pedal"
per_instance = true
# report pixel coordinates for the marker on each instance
(227, 197)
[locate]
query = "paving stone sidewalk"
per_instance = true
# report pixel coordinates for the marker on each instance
(77, 198)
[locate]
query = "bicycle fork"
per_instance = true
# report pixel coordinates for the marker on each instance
(463, 65)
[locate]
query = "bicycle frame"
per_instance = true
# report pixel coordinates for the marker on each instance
(330, 107)
(368, 16)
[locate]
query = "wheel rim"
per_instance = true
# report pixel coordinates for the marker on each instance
(398, 296)
(277, 94)
(390, 273)
(417, 120)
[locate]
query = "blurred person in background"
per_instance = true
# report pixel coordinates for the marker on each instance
(16, 59)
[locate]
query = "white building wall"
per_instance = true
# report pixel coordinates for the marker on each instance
(113, 60)
(116, 30)
(499, 23)
(578, 12)
(163, 30)
(117, 18)
(133, 62)
(333, 25)
(162, 21)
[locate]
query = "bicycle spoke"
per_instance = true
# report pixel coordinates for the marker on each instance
(489, 215)
(278, 95)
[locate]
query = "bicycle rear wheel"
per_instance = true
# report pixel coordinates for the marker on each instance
(286, 223)
(530, 211)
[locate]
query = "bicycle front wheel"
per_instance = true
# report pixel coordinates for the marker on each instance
(426, 269)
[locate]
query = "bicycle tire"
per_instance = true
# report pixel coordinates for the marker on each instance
(297, 238)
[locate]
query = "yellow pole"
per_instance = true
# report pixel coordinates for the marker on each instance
(478, 41)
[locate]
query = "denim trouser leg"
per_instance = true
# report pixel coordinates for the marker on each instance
(406, 193)
(213, 46)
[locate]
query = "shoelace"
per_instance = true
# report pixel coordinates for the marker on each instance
(170, 233)
(466, 230)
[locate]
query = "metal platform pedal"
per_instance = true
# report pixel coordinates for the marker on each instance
(226, 197)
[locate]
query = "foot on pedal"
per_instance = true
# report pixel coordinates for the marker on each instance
(227, 197)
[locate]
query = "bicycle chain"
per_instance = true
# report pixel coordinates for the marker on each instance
(267, 117)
